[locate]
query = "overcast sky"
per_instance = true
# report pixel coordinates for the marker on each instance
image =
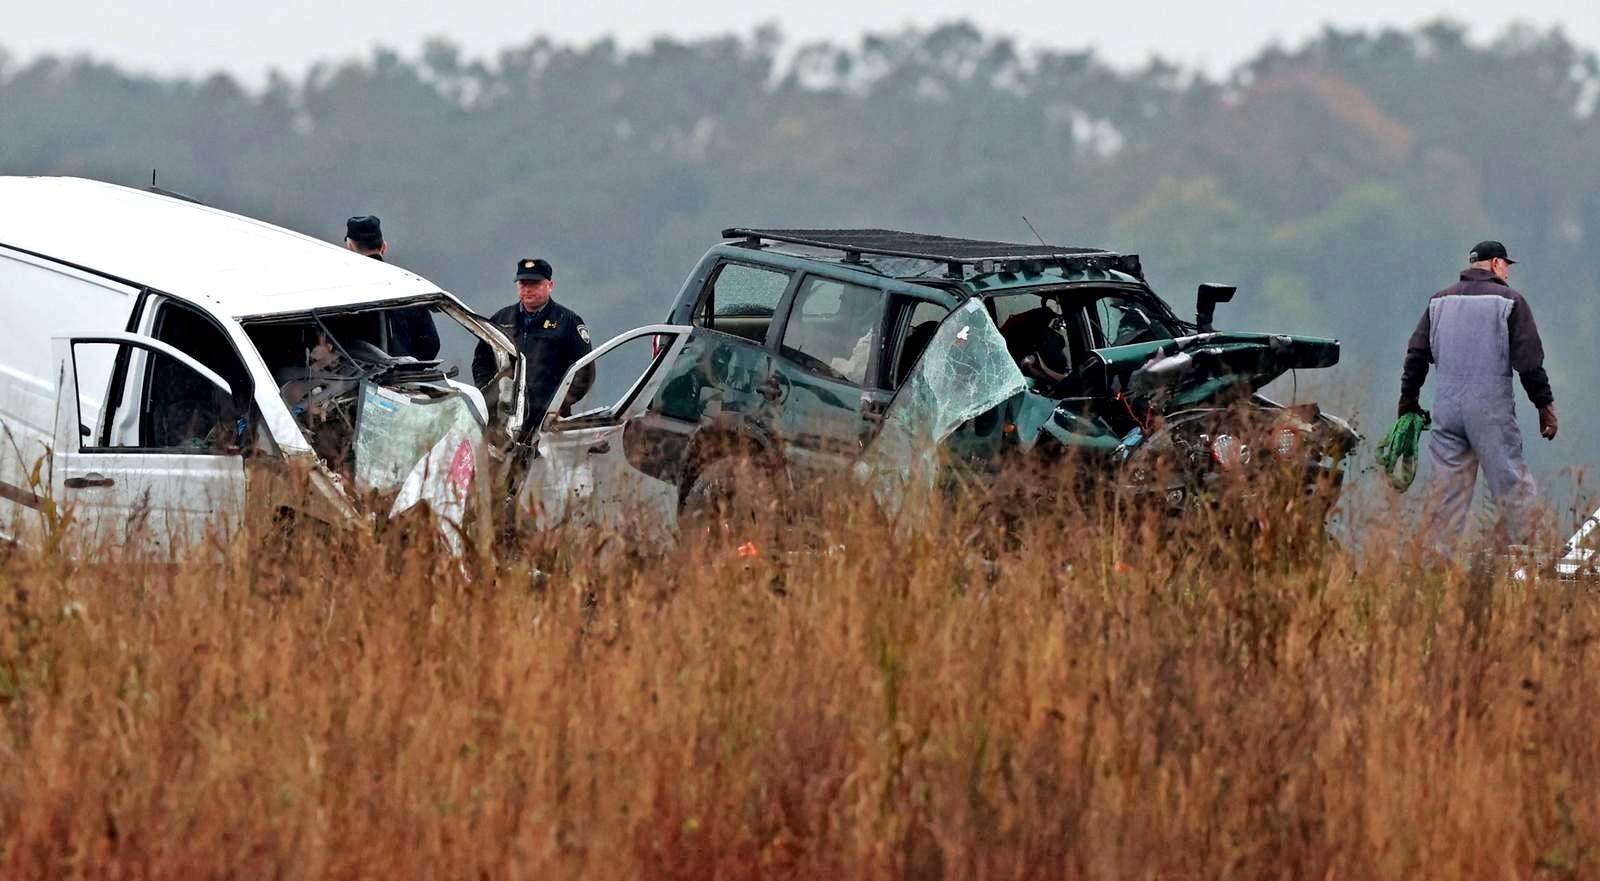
(200, 36)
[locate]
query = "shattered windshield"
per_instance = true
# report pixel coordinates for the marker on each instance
(394, 431)
(965, 371)
(386, 373)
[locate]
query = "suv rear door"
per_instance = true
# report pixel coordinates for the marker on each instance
(825, 379)
(729, 364)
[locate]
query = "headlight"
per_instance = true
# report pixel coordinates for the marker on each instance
(1285, 443)
(1228, 451)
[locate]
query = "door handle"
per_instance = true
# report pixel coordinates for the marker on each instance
(87, 481)
(601, 448)
(872, 410)
(773, 389)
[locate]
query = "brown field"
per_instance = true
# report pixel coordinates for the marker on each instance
(1097, 696)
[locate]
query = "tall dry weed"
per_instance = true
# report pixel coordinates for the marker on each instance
(1018, 682)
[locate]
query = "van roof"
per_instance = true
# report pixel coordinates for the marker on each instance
(243, 266)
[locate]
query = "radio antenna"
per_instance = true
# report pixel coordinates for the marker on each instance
(1034, 231)
(157, 190)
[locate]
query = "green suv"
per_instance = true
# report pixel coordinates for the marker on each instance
(805, 353)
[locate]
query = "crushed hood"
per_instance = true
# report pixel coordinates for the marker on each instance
(1194, 369)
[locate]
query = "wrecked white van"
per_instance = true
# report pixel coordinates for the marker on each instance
(166, 363)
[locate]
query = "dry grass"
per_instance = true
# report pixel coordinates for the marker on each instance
(1095, 696)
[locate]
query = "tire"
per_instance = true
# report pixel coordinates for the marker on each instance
(732, 499)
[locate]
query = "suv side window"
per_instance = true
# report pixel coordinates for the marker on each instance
(741, 300)
(616, 377)
(1121, 321)
(834, 328)
(921, 323)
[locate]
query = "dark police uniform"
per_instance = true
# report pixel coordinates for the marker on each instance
(411, 329)
(551, 340)
(412, 332)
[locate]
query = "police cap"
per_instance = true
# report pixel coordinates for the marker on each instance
(534, 269)
(364, 230)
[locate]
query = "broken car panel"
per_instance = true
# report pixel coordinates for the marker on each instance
(964, 372)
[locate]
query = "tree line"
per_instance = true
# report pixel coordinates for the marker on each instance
(1338, 182)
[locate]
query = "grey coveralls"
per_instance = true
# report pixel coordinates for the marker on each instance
(1478, 331)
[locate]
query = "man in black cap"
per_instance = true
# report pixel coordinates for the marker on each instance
(411, 329)
(1478, 331)
(549, 335)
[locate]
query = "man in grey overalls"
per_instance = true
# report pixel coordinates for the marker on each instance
(1478, 331)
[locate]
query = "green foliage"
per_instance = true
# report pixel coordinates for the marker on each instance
(1338, 183)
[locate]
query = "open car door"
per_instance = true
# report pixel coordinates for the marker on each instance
(148, 443)
(505, 393)
(586, 472)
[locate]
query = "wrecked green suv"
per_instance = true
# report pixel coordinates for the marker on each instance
(810, 352)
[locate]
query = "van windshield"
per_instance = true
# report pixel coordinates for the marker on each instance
(326, 364)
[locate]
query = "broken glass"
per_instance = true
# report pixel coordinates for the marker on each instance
(394, 431)
(965, 371)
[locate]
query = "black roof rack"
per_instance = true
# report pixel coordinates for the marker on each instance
(955, 253)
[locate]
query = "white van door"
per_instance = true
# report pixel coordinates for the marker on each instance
(150, 455)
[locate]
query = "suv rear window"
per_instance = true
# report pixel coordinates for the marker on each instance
(741, 300)
(833, 329)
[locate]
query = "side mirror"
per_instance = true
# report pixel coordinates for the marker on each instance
(1206, 304)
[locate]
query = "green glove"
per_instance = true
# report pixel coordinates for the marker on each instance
(1400, 447)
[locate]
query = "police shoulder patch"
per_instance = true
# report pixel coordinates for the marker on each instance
(583, 332)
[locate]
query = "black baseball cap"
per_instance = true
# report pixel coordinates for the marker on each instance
(1488, 250)
(534, 269)
(365, 230)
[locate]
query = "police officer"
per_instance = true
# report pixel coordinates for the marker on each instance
(549, 335)
(1478, 331)
(411, 329)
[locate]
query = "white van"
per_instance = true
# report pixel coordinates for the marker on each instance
(162, 362)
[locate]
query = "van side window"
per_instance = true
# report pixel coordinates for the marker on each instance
(834, 328)
(741, 300)
(153, 399)
(196, 336)
(184, 411)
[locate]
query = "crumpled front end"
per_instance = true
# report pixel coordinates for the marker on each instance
(1178, 420)
(388, 433)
